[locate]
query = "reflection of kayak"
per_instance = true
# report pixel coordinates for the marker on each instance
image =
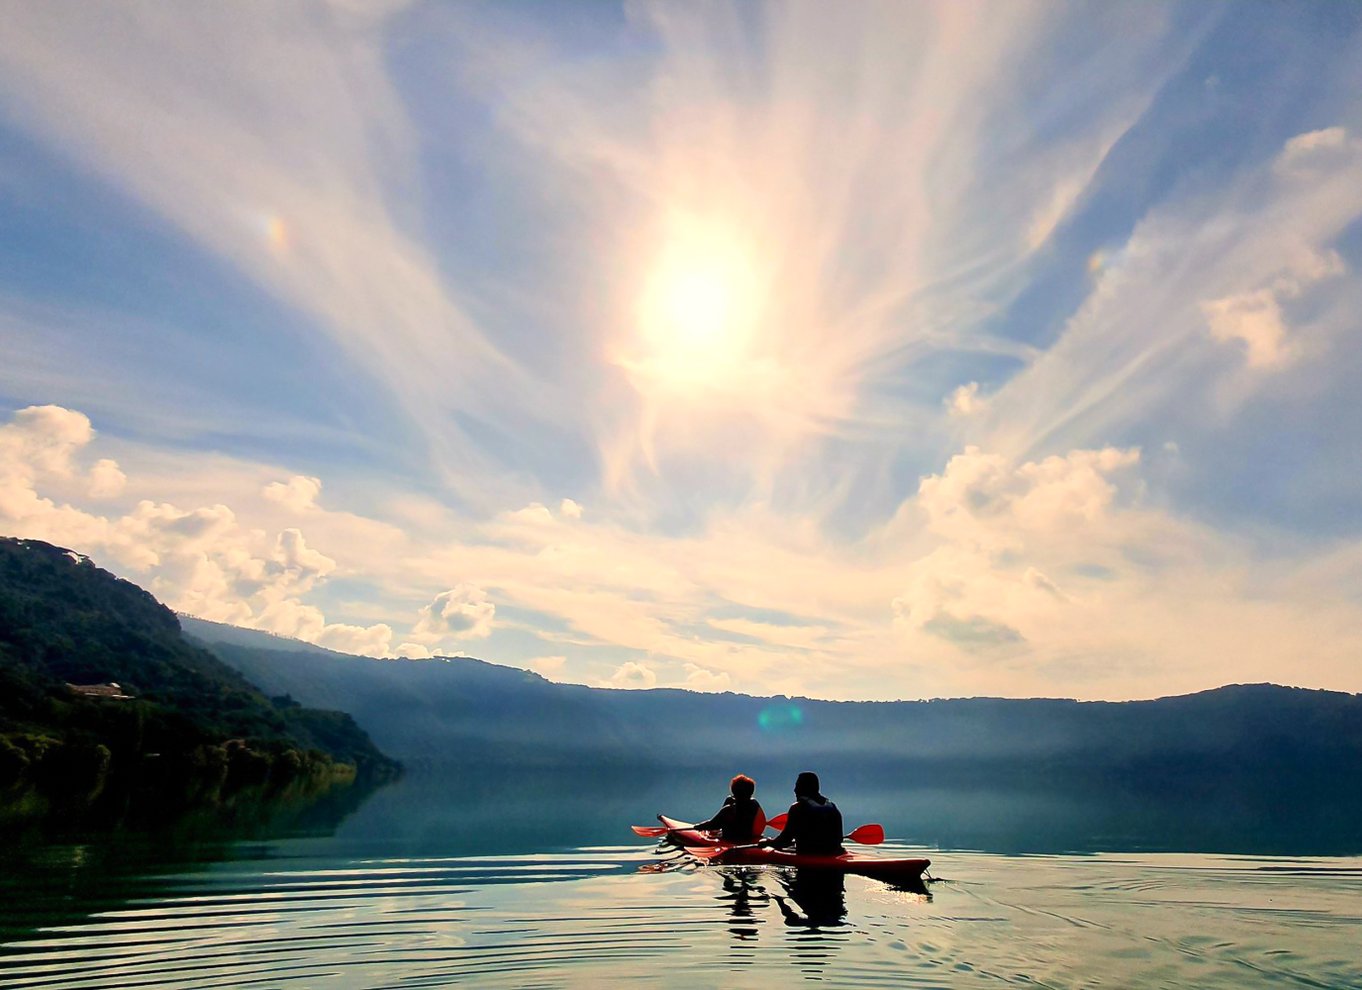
(894, 870)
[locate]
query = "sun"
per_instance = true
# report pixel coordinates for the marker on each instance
(697, 311)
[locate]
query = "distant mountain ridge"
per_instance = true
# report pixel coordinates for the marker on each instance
(461, 709)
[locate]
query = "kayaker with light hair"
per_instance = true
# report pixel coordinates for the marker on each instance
(741, 818)
(813, 825)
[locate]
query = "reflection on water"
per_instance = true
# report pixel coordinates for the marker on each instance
(534, 880)
(295, 915)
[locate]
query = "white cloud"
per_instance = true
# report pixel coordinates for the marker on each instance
(299, 493)
(965, 400)
(700, 679)
(1304, 153)
(462, 612)
(365, 641)
(412, 651)
(46, 437)
(106, 479)
(569, 509)
(1255, 320)
(534, 514)
(632, 674)
(302, 197)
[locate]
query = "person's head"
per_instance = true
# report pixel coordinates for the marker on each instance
(742, 786)
(806, 784)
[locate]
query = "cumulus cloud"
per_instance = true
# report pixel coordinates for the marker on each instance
(462, 612)
(1255, 320)
(198, 560)
(632, 674)
(965, 400)
(1052, 494)
(299, 493)
(42, 443)
(46, 437)
(701, 679)
(1004, 527)
(366, 641)
(106, 479)
(534, 514)
(569, 509)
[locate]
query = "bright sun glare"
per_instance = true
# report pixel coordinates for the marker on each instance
(697, 311)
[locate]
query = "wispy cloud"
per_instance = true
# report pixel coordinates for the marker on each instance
(891, 349)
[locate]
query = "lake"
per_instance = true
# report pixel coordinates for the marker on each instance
(534, 880)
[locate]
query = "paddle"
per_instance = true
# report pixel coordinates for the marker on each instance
(657, 831)
(866, 835)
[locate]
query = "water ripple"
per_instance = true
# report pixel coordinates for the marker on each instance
(591, 916)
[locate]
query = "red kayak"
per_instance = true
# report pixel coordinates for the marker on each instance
(682, 834)
(893, 870)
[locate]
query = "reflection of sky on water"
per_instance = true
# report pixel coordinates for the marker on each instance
(301, 914)
(479, 811)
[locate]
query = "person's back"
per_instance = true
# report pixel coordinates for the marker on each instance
(813, 825)
(741, 819)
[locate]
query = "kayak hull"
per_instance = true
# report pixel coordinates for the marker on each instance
(682, 834)
(894, 870)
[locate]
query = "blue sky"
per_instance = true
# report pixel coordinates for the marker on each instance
(859, 350)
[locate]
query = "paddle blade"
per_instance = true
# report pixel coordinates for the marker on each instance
(651, 831)
(868, 835)
(777, 822)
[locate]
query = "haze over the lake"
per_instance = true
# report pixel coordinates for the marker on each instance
(851, 350)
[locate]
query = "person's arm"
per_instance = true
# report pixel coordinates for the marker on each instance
(787, 834)
(717, 822)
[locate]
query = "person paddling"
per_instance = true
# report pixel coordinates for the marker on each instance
(813, 825)
(741, 818)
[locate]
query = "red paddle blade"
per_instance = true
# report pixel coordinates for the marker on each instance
(651, 831)
(868, 835)
(777, 822)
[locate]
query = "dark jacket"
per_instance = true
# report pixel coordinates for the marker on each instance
(738, 821)
(814, 828)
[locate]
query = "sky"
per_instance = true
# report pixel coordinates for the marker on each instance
(857, 350)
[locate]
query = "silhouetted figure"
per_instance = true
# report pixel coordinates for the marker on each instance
(741, 818)
(814, 825)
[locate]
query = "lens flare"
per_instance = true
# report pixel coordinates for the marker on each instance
(780, 718)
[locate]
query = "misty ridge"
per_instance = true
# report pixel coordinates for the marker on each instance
(449, 711)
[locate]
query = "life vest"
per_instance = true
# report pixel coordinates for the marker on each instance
(746, 821)
(819, 827)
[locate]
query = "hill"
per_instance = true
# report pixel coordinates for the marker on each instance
(456, 710)
(175, 718)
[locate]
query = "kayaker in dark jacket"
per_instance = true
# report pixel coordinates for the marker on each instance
(741, 818)
(813, 825)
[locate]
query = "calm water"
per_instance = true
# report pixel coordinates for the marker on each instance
(413, 891)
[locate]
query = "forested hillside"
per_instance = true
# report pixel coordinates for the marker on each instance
(180, 719)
